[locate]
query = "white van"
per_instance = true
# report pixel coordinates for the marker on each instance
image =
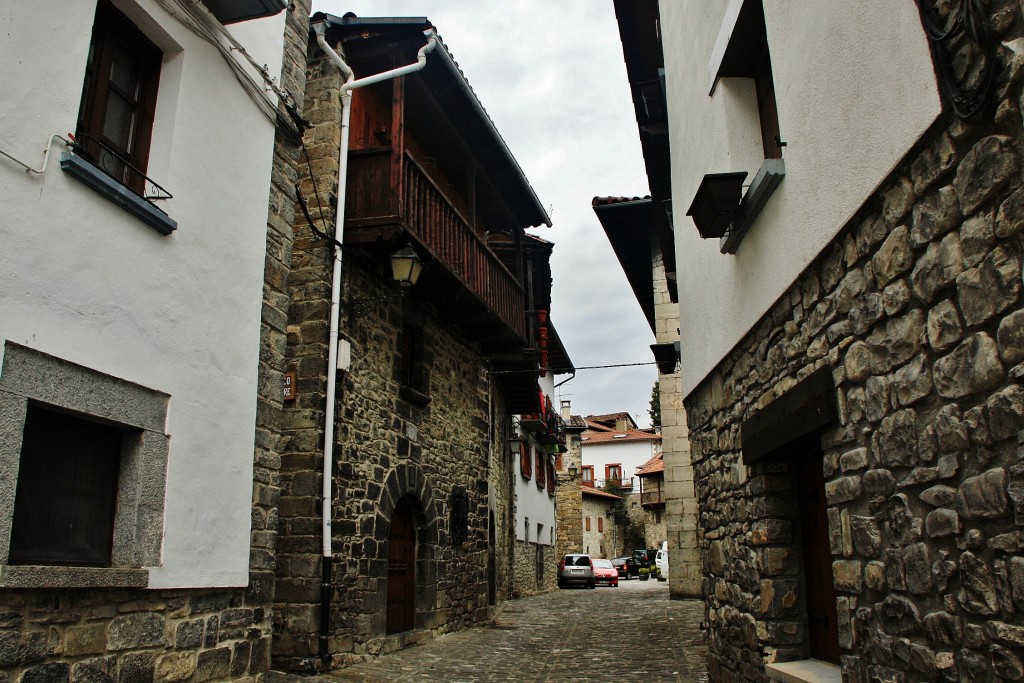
(661, 559)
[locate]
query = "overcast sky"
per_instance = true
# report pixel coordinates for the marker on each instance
(551, 76)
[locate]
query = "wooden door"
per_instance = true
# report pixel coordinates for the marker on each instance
(402, 570)
(492, 563)
(822, 622)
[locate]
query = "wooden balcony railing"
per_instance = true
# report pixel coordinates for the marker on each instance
(652, 497)
(440, 227)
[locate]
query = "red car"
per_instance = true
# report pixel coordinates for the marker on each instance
(605, 572)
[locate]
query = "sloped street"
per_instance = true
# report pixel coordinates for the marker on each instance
(630, 633)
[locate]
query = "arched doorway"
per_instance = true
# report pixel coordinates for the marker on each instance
(402, 569)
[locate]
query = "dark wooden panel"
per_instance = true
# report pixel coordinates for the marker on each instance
(806, 407)
(402, 570)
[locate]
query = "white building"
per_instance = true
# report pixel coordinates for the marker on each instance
(614, 449)
(136, 168)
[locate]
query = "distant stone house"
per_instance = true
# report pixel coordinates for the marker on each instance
(420, 534)
(849, 277)
(652, 500)
(142, 334)
(602, 531)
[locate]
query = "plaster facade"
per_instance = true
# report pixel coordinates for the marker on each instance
(839, 147)
(105, 321)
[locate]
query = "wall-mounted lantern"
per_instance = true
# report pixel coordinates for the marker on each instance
(406, 266)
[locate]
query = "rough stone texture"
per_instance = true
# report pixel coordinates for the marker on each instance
(922, 325)
(391, 446)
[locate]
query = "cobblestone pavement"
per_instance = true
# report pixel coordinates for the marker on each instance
(606, 634)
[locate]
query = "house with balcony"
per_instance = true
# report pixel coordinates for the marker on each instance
(847, 193)
(404, 503)
(652, 499)
(142, 333)
(613, 449)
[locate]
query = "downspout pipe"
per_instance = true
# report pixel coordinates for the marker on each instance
(345, 93)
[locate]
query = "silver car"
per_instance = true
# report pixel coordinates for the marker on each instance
(576, 568)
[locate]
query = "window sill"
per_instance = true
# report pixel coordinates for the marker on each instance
(92, 177)
(762, 187)
(32, 576)
(413, 396)
(804, 671)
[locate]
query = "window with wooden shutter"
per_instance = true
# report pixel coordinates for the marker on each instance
(586, 523)
(525, 462)
(600, 523)
(542, 470)
(115, 119)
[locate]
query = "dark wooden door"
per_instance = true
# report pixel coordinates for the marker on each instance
(402, 570)
(823, 629)
(492, 563)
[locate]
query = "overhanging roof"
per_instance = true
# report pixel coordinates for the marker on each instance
(628, 224)
(394, 41)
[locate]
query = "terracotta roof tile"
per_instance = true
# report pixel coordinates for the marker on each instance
(655, 465)
(594, 438)
(591, 491)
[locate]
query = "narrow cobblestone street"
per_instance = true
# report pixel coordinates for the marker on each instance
(630, 633)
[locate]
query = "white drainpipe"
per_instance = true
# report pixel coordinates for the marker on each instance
(345, 93)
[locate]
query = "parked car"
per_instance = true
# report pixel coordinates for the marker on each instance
(576, 568)
(626, 567)
(604, 572)
(661, 560)
(645, 557)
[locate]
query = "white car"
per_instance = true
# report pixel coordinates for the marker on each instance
(661, 560)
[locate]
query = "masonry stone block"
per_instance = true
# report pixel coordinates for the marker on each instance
(985, 170)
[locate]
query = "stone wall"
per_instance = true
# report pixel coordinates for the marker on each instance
(183, 635)
(535, 568)
(679, 518)
(387, 447)
(915, 310)
(568, 498)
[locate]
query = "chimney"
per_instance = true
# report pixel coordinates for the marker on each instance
(566, 414)
(620, 424)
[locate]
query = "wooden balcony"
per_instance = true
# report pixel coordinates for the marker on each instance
(466, 277)
(652, 498)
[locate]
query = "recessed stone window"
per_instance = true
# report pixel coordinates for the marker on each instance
(83, 462)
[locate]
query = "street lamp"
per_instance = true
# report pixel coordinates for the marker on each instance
(573, 470)
(406, 266)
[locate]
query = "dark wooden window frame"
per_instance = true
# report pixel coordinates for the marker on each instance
(541, 467)
(583, 474)
(113, 31)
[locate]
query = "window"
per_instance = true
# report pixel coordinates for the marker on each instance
(526, 529)
(586, 523)
(458, 504)
(588, 475)
(525, 461)
(115, 119)
(67, 487)
(542, 470)
(88, 455)
(600, 524)
(412, 366)
(551, 479)
(613, 474)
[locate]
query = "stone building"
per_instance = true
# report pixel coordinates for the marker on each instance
(568, 493)
(602, 529)
(652, 500)
(141, 377)
(851, 332)
(414, 533)
(640, 233)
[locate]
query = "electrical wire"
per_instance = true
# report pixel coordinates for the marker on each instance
(320, 234)
(559, 371)
(199, 20)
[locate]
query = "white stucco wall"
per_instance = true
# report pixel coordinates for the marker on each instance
(855, 90)
(630, 454)
(532, 502)
(88, 283)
